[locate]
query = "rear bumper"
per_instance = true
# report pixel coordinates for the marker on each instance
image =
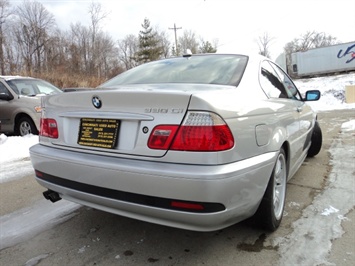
(143, 189)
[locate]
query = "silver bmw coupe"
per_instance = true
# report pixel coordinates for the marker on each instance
(198, 142)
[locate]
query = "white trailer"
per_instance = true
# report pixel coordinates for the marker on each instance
(324, 60)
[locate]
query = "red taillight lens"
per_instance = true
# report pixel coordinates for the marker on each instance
(162, 136)
(203, 131)
(49, 128)
(200, 131)
(203, 138)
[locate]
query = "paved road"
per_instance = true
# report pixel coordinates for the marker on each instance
(314, 231)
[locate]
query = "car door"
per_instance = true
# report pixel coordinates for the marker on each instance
(288, 112)
(306, 115)
(5, 109)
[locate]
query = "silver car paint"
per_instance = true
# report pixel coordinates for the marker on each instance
(235, 185)
(237, 177)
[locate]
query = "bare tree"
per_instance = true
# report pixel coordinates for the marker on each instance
(96, 16)
(264, 43)
(305, 41)
(56, 53)
(79, 48)
(188, 40)
(164, 42)
(127, 50)
(106, 57)
(32, 27)
(320, 39)
(309, 40)
(35, 44)
(4, 14)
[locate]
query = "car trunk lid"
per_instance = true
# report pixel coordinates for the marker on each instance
(114, 121)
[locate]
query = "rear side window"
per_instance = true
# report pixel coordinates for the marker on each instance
(198, 69)
(271, 83)
(276, 84)
(290, 87)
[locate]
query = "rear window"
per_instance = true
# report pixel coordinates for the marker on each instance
(197, 69)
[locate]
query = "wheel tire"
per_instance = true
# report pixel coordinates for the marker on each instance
(316, 141)
(25, 126)
(270, 211)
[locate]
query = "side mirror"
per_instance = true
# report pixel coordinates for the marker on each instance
(313, 95)
(6, 97)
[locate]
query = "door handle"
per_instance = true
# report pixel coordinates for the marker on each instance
(299, 109)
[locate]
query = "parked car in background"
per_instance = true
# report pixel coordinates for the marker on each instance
(198, 142)
(20, 103)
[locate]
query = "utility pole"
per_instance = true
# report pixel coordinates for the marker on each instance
(175, 30)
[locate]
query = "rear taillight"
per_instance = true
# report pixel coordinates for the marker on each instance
(162, 136)
(49, 128)
(200, 131)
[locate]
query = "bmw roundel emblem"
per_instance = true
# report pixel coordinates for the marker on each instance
(96, 101)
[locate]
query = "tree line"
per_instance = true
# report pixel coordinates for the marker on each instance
(32, 44)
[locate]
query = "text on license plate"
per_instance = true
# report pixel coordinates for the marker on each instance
(100, 133)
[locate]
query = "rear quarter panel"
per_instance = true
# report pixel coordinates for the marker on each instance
(243, 114)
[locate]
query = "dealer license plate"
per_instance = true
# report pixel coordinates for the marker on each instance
(100, 133)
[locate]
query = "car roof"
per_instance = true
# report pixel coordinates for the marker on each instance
(15, 77)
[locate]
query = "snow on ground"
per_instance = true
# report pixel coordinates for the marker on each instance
(332, 89)
(321, 222)
(348, 126)
(15, 164)
(14, 156)
(25, 223)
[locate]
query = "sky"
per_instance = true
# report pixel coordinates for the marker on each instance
(236, 24)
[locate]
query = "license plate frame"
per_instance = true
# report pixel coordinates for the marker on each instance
(98, 132)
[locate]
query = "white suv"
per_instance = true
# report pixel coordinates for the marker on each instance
(20, 103)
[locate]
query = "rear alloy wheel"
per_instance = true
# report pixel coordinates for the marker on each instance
(270, 212)
(316, 141)
(25, 126)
